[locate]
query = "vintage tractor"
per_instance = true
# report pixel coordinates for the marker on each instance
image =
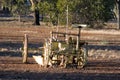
(65, 50)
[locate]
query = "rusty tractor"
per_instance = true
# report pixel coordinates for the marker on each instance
(65, 50)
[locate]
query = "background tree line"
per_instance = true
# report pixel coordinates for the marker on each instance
(92, 12)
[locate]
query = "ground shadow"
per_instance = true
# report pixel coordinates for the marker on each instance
(104, 47)
(14, 75)
(13, 49)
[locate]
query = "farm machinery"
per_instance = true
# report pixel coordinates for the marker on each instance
(65, 50)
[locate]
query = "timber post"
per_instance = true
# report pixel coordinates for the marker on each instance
(25, 48)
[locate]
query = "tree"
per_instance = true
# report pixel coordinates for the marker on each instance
(5, 4)
(19, 8)
(35, 8)
(53, 10)
(48, 9)
(118, 11)
(16, 7)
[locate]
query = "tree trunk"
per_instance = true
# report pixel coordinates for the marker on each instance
(36, 17)
(118, 5)
(36, 12)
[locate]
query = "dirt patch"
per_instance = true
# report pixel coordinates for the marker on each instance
(11, 68)
(103, 57)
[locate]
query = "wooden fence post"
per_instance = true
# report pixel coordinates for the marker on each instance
(25, 48)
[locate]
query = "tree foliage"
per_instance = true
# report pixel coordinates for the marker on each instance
(19, 7)
(80, 11)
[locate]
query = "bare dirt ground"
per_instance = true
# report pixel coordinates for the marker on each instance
(103, 54)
